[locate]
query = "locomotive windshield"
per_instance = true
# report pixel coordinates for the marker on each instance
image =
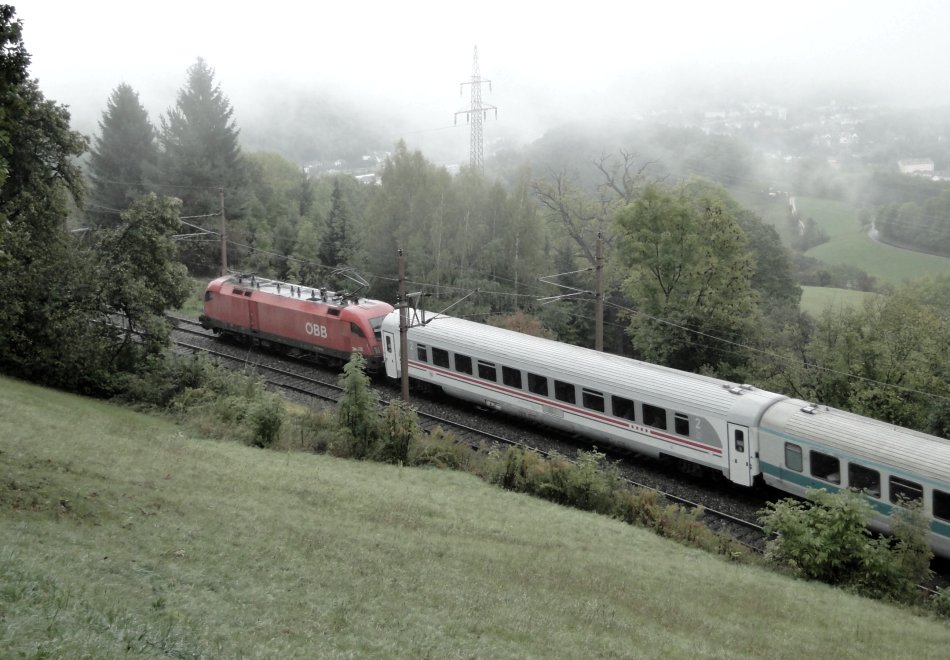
(377, 323)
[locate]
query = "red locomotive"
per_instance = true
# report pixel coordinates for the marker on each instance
(326, 324)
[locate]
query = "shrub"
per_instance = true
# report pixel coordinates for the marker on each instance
(163, 378)
(312, 431)
(583, 484)
(826, 538)
(441, 449)
(647, 508)
(357, 414)
(400, 426)
(514, 469)
(941, 602)
(265, 417)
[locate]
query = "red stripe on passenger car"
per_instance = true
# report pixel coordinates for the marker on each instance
(520, 394)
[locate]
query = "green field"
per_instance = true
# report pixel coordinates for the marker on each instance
(816, 299)
(851, 245)
(121, 536)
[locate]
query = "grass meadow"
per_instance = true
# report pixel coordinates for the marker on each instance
(849, 244)
(120, 535)
(816, 299)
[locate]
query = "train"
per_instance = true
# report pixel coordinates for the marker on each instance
(746, 434)
(314, 322)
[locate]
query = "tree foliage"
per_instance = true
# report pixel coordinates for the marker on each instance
(887, 359)
(139, 275)
(123, 158)
(826, 538)
(201, 156)
(338, 246)
(357, 412)
(45, 289)
(689, 278)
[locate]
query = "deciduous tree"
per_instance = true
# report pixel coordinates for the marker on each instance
(45, 290)
(139, 276)
(689, 278)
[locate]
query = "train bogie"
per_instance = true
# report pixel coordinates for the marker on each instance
(312, 321)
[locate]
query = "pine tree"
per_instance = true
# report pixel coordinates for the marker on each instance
(123, 158)
(200, 155)
(336, 248)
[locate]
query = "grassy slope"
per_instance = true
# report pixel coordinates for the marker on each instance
(118, 535)
(850, 244)
(816, 299)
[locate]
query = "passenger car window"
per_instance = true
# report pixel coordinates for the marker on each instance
(941, 505)
(864, 479)
(654, 416)
(793, 457)
(511, 377)
(463, 363)
(537, 384)
(825, 467)
(565, 392)
(592, 399)
(440, 357)
(421, 353)
(902, 489)
(623, 408)
(681, 424)
(487, 371)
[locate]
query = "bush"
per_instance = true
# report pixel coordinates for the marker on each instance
(441, 449)
(357, 413)
(941, 603)
(583, 484)
(647, 508)
(312, 430)
(826, 538)
(400, 426)
(164, 378)
(514, 469)
(265, 416)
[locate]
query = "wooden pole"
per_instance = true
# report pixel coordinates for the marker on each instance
(224, 236)
(403, 303)
(599, 295)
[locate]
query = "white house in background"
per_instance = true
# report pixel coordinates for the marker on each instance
(922, 166)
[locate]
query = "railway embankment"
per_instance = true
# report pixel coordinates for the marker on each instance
(121, 534)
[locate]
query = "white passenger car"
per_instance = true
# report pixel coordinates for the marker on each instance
(608, 398)
(737, 430)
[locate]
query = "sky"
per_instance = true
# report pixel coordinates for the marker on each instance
(548, 62)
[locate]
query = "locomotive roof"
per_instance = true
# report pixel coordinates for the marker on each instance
(849, 434)
(604, 371)
(298, 292)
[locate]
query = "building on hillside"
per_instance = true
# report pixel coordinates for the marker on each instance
(916, 166)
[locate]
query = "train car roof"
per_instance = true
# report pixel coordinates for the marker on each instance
(268, 287)
(604, 371)
(861, 438)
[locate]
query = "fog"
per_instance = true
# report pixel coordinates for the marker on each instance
(401, 65)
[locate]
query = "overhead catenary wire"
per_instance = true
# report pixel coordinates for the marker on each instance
(204, 232)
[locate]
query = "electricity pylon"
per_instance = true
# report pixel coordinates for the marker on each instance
(477, 113)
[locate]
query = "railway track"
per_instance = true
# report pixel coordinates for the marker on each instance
(306, 382)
